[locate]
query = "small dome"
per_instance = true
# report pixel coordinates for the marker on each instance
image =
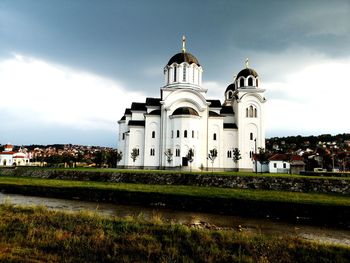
(185, 111)
(183, 57)
(247, 72)
(231, 87)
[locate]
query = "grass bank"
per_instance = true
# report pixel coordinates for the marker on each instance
(142, 171)
(191, 191)
(39, 235)
(326, 209)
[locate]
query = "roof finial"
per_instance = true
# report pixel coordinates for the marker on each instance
(247, 62)
(183, 44)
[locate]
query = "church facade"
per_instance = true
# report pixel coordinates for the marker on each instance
(182, 118)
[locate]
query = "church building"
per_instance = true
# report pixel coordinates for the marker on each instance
(183, 119)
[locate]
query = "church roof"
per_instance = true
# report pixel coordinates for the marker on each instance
(127, 111)
(123, 118)
(154, 112)
(136, 123)
(247, 72)
(138, 106)
(214, 114)
(214, 103)
(153, 101)
(230, 126)
(185, 111)
(232, 87)
(183, 57)
(226, 110)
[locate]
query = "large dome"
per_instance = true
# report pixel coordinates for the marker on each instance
(247, 72)
(183, 57)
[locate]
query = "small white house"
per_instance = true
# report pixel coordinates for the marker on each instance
(11, 158)
(279, 163)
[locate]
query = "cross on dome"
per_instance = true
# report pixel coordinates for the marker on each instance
(183, 44)
(247, 62)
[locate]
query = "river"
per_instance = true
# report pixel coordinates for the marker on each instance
(264, 226)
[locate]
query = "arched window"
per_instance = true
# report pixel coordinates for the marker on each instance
(175, 73)
(172, 134)
(214, 136)
(250, 82)
(184, 73)
(153, 134)
(177, 134)
(246, 112)
(152, 152)
(251, 136)
(192, 133)
(255, 113)
(251, 111)
(241, 82)
(177, 152)
(229, 154)
(185, 133)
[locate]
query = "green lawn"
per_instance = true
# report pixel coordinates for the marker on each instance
(212, 192)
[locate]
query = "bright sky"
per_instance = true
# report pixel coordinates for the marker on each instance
(68, 69)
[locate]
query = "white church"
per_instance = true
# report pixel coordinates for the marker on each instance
(182, 118)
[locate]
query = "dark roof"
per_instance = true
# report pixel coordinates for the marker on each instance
(247, 72)
(185, 111)
(153, 101)
(232, 87)
(127, 112)
(226, 110)
(214, 114)
(183, 57)
(230, 126)
(123, 118)
(279, 157)
(138, 106)
(214, 103)
(136, 123)
(154, 112)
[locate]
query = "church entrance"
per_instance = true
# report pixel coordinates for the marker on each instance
(184, 161)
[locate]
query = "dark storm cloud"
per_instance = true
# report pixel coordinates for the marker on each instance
(119, 39)
(131, 40)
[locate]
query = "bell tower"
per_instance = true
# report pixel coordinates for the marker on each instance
(248, 105)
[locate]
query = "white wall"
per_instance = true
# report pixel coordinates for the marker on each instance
(281, 167)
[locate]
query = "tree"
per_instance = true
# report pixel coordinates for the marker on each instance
(119, 156)
(212, 156)
(236, 156)
(190, 156)
(113, 158)
(134, 154)
(262, 157)
(169, 155)
(342, 160)
(99, 158)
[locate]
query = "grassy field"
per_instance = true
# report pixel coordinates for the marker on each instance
(141, 171)
(191, 191)
(36, 234)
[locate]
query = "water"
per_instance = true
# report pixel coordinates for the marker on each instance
(264, 226)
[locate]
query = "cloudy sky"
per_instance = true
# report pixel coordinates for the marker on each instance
(68, 69)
